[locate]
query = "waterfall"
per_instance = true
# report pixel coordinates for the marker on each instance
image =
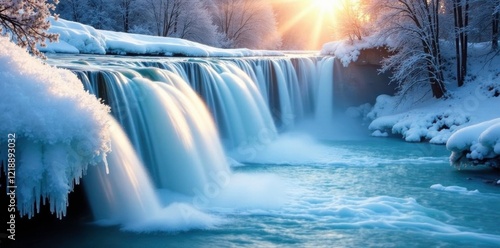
(121, 193)
(168, 124)
(234, 101)
(324, 105)
(182, 115)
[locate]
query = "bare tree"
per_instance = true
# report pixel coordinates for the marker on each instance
(27, 22)
(246, 23)
(125, 11)
(351, 20)
(412, 29)
(165, 14)
(100, 14)
(187, 19)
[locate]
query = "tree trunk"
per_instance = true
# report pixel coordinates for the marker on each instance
(435, 75)
(494, 33)
(465, 42)
(457, 42)
(461, 16)
(126, 27)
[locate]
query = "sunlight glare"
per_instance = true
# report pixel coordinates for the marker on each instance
(325, 5)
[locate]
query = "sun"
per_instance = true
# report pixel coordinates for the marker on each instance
(318, 16)
(325, 5)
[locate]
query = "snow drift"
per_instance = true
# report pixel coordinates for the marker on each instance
(476, 144)
(79, 38)
(60, 129)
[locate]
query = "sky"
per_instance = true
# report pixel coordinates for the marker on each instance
(305, 24)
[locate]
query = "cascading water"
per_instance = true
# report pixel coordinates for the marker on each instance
(324, 104)
(159, 106)
(121, 193)
(166, 121)
(233, 99)
(288, 86)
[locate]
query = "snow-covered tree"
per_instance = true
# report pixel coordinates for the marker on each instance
(495, 23)
(411, 27)
(99, 14)
(26, 21)
(247, 23)
(73, 10)
(196, 25)
(352, 20)
(182, 19)
(484, 22)
(125, 11)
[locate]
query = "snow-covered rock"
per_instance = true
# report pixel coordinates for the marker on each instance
(59, 129)
(348, 51)
(479, 143)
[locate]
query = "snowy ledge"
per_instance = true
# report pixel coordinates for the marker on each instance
(349, 51)
(79, 38)
(59, 129)
(476, 144)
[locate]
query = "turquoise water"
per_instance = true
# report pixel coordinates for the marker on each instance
(370, 192)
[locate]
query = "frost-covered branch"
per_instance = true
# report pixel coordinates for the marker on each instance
(26, 22)
(411, 28)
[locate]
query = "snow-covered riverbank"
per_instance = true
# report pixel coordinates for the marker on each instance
(466, 120)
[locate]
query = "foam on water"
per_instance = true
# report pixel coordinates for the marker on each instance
(455, 189)
(331, 212)
(238, 191)
(174, 218)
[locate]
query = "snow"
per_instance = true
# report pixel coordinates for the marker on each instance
(377, 133)
(419, 117)
(347, 51)
(60, 129)
(466, 120)
(75, 38)
(478, 143)
(79, 38)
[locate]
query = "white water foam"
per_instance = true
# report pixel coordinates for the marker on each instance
(332, 212)
(455, 189)
(239, 191)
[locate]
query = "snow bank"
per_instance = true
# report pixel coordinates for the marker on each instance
(348, 51)
(75, 38)
(416, 115)
(59, 129)
(424, 118)
(420, 125)
(79, 38)
(476, 144)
